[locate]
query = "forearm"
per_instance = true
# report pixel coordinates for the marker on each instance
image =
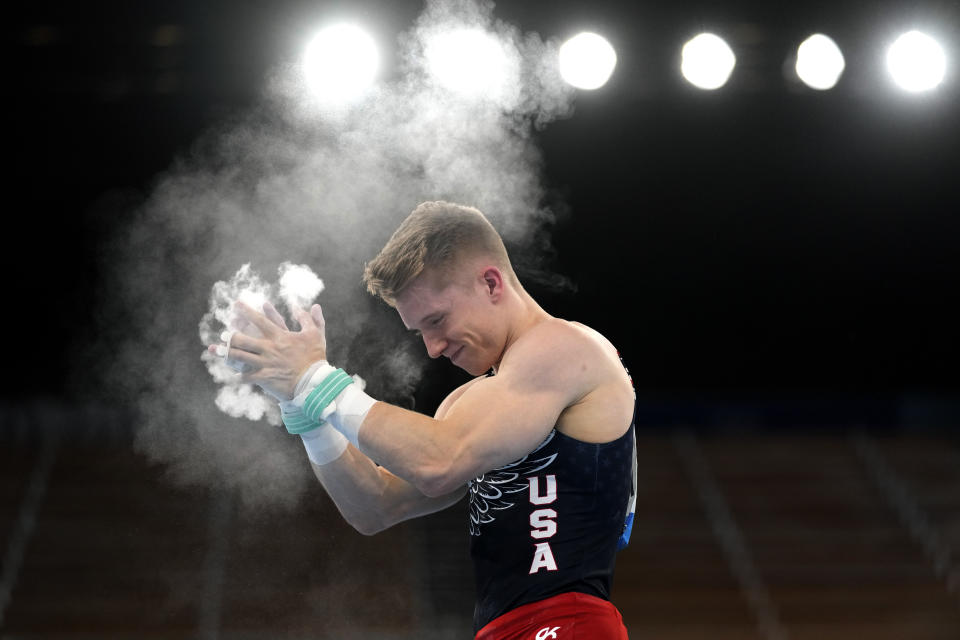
(409, 444)
(434, 455)
(357, 486)
(370, 497)
(417, 448)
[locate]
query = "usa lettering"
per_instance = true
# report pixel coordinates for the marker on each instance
(543, 523)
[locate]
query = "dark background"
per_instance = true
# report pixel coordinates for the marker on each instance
(764, 256)
(762, 243)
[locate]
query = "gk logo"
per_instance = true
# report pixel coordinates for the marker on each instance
(546, 633)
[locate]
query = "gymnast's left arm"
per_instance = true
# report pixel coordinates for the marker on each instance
(497, 420)
(493, 421)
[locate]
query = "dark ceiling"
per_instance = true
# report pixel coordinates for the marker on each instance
(759, 237)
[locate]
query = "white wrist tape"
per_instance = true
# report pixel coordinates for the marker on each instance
(323, 444)
(294, 419)
(351, 408)
(313, 376)
(326, 394)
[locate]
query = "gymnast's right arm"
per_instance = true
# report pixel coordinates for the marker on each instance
(368, 496)
(371, 498)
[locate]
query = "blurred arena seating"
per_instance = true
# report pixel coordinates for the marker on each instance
(823, 534)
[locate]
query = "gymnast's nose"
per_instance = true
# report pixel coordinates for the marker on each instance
(436, 345)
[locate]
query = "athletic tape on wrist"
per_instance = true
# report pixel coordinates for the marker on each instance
(350, 410)
(323, 444)
(291, 411)
(298, 423)
(320, 401)
(327, 394)
(313, 376)
(310, 380)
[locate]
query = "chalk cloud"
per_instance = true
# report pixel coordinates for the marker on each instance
(288, 182)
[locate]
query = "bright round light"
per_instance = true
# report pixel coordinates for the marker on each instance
(341, 63)
(471, 62)
(916, 62)
(819, 62)
(707, 61)
(587, 61)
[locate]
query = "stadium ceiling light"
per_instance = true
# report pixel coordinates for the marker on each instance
(587, 61)
(471, 62)
(707, 61)
(916, 62)
(341, 63)
(820, 62)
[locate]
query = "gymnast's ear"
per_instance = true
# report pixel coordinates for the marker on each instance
(493, 282)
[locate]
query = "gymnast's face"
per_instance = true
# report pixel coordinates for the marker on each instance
(456, 316)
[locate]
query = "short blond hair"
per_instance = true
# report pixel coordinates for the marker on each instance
(436, 235)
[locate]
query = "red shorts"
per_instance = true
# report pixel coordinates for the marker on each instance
(568, 616)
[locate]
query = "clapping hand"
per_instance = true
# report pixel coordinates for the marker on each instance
(276, 360)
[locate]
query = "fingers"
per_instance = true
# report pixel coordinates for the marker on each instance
(239, 341)
(273, 315)
(234, 356)
(306, 320)
(260, 321)
(316, 314)
(239, 351)
(251, 376)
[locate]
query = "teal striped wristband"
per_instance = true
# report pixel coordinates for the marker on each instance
(299, 423)
(324, 393)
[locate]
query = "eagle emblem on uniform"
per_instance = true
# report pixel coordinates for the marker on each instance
(493, 491)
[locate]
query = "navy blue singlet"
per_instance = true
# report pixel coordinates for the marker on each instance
(551, 522)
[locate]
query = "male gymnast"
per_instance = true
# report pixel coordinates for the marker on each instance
(541, 440)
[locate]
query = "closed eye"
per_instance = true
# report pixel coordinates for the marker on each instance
(431, 323)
